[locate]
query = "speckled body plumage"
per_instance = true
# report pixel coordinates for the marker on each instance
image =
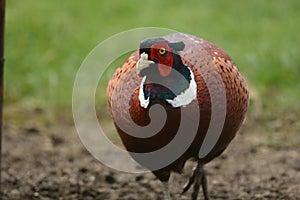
(203, 58)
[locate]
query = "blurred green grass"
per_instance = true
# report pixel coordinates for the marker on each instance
(46, 41)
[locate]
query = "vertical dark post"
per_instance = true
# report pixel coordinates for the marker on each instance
(2, 17)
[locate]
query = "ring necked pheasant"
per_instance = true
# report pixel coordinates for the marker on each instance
(179, 61)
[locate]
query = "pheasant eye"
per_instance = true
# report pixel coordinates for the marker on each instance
(162, 51)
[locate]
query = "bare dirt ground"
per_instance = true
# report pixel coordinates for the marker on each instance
(48, 161)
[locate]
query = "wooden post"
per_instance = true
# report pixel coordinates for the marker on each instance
(2, 21)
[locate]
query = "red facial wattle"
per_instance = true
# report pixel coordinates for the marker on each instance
(164, 61)
(164, 70)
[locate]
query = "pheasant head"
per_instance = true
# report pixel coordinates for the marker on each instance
(165, 79)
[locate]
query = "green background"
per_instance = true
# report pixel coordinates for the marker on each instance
(46, 41)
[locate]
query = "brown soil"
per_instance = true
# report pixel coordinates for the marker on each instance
(48, 161)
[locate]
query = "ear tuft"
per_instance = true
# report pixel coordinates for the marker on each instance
(177, 46)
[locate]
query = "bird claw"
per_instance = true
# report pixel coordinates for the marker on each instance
(189, 183)
(198, 178)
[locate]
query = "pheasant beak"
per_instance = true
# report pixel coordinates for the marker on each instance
(143, 63)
